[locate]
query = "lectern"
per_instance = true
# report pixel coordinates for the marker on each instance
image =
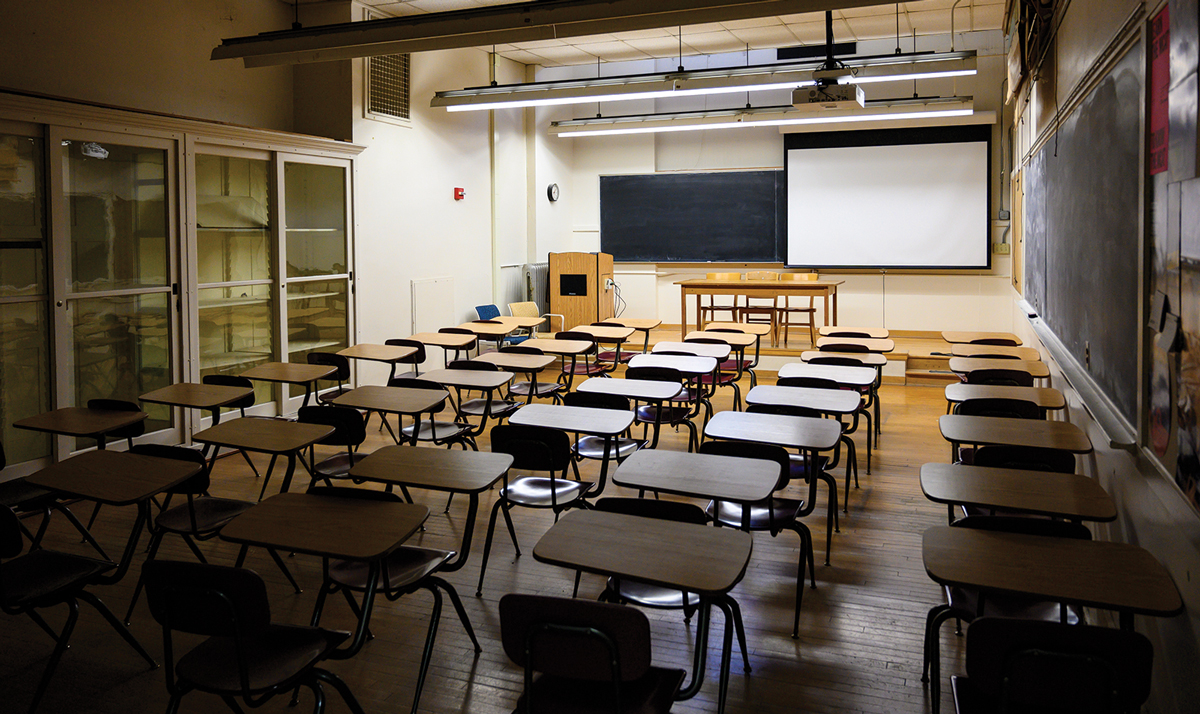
(581, 287)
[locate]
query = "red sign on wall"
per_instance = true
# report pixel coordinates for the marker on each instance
(1160, 85)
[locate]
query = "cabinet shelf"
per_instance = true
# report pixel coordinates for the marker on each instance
(295, 346)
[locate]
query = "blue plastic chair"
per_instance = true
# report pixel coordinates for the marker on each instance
(491, 312)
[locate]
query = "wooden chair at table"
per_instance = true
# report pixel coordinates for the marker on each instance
(757, 310)
(680, 410)
(590, 655)
(1030, 665)
(708, 312)
(572, 368)
(439, 433)
(458, 351)
(523, 388)
(786, 311)
(967, 604)
(342, 364)
(592, 447)
(613, 357)
(349, 432)
(201, 518)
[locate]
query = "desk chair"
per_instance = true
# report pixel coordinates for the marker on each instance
(588, 368)
(416, 359)
(440, 433)
(872, 393)
(232, 380)
(614, 356)
(522, 389)
(757, 310)
(592, 656)
(341, 376)
(530, 309)
(592, 447)
(246, 655)
(787, 311)
(680, 410)
(708, 312)
(128, 433)
(23, 497)
(349, 432)
(458, 352)
(847, 430)
(738, 362)
(728, 373)
(490, 313)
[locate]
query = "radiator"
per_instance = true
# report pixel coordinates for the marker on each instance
(537, 285)
(512, 286)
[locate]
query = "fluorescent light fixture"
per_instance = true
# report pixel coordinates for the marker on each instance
(887, 110)
(756, 78)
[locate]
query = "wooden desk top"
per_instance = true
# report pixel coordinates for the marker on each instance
(787, 431)
(1044, 397)
(741, 285)
(960, 337)
(527, 323)
(869, 359)
(393, 400)
(435, 469)
(1044, 493)
(725, 478)
(1014, 432)
(197, 396)
(289, 373)
(444, 339)
(579, 420)
(689, 365)
(685, 556)
(269, 436)
(740, 340)
(1114, 576)
(345, 528)
(116, 478)
(750, 328)
(378, 353)
(517, 362)
(828, 401)
(872, 345)
(644, 389)
(490, 330)
(963, 365)
(848, 376)
(700, 349)
(877, 333)
(640, 324)
(969, 350)
(599, 332)
(559, 347)
(468, 378)
(80, 421)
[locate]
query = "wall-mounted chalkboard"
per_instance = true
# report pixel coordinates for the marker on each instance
(1082, 234)
(729, 216)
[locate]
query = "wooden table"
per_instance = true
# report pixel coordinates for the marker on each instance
(470, 379)
(388, 354)
(198, 396)
(1063, 435)
(642, 390)
(603, 333)
(679, 556)
(488, 329)
(758, 329)
(1044, 397)
(878, 333)
(329, 527)
(736, 340)
(827, 289)
(605, 423)
(700, 349)
(872, 344)
(289, 373)
(520, 323)
(856, 377)
(724, 478)
(563, 348)
(446, 340)
(690, 366)
(969, 350)
(520, 363)
(394, 400)
(1070, 496)
(641, 325)
(81, 422)
(868, 359)
(266, 436)
(450, 470)
(965, 365)
(804, 433)
(960, 337)
(116, 478)
(827, 401)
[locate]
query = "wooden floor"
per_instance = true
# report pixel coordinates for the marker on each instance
(860, 640)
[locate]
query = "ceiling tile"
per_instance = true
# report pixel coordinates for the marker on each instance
(443, 5)
(522, 56)
(656, 46)
(923, 5)
(700, 29)
(809, 33)
(752, 22)
(987, 17)
(539, 44)
(935, 22)
(777, 36)
(711, 43)
(565, 55)
(644, 34)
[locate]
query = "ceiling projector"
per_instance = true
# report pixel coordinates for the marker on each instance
(828, 96)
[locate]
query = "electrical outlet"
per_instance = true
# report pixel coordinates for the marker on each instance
(608, 284)
(1005, 215)
(1001, 248)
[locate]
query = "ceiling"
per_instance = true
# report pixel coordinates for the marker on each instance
(924, 17)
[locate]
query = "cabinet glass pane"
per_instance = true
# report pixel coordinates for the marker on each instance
(236, 331)
(117, 215)
(24, 378)
(22, 216)
(317, 320)
(315, 214)
(122, 350)
(233, 231)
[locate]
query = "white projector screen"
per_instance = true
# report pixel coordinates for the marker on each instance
(894, 206)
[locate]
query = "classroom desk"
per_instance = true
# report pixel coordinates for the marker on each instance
(330, 527)
(867, 359)
(968, 350)
(81, 422)
(877, 333)
(861, 378)
(643, 390)
(603, 333)
(758, 329)
(520, 363)
(289, 373)
(699, 475)
(871, 344)
(641, 325)
(607, 424)
(963, 365)
(116, 478)
(393, 400)
(692, 366)
(491, 330)
(736, 340)
(266, 436)
(735, 334)
(449, 342)
(719, 352)
(189, 395)
(754, 289)
(841, 402)
(1071, 496)
(1045, 397)
(387, 354)
(961, 337)
(470, 379)
(520, 323)
(679, 556)
(1062, 435)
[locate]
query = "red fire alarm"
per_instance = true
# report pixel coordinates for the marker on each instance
(460, 194)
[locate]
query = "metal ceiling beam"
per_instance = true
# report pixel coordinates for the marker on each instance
(500, 24)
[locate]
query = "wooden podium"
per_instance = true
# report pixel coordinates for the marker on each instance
(579, 287)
